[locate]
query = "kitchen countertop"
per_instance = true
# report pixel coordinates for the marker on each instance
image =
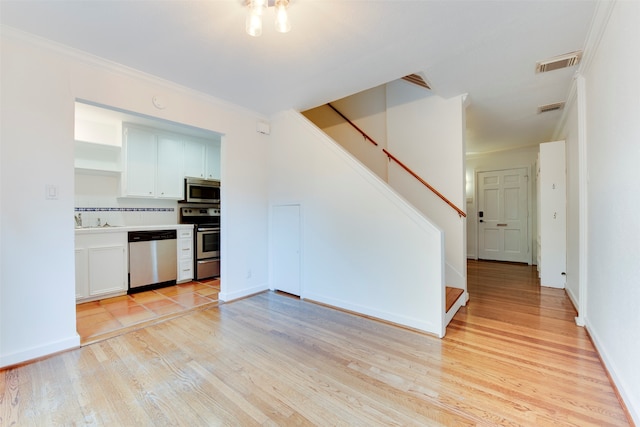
(127, 228)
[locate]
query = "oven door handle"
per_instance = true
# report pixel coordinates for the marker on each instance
(208, 229)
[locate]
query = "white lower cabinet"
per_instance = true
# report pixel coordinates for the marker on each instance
(82, 273)
(185, 255)
(101, 265)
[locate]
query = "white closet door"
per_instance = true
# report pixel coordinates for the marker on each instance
(286, 248)
(553, 214)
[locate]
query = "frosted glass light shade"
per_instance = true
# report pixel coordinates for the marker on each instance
(283, 25)
(254, 25)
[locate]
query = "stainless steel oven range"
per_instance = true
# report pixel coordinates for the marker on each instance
(206, 221)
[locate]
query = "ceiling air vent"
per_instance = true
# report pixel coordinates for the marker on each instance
(558, 62)
(417, 80)
(550, 107)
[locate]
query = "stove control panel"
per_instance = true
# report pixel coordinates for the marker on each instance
(199, 212)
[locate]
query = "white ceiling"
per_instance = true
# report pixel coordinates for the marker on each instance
(336, 48)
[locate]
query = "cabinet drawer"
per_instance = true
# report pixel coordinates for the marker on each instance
(186, 254)
(185, 233)
(185, 270)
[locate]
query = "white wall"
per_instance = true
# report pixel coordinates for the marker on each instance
(367, 110)
(426, 133)
(613, 199)
(363, 248)
(522, 157)
(40, 83)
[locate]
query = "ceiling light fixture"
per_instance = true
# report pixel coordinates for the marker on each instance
(256, 10)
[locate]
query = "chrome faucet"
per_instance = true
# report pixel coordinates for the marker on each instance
(78, 219)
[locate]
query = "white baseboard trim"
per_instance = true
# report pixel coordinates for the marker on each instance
(617, 379)
(396, 318)
(572, 298)
(37, 352)
(230, 296)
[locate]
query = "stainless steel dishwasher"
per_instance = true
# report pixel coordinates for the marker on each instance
(152, 259)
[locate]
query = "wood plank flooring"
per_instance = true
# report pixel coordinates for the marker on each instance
(512, 357)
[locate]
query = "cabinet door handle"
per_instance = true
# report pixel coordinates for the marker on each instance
(501, 225)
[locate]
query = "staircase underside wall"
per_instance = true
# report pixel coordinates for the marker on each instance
(363, 248)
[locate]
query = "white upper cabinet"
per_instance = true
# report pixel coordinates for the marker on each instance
(156, 162)
(202, 158)
(170, 173)
(212, 170)
(141, 162)
(194, 158)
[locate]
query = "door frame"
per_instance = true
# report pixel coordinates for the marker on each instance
(530, 206)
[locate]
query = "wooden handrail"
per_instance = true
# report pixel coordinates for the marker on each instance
(405, 167)
(425, 183)
(367, 137)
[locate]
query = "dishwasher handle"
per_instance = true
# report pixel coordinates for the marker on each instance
(146, 236)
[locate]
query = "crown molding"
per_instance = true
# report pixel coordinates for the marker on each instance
(597, 28)
(117, 68)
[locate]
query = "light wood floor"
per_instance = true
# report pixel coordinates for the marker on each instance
(512, 357)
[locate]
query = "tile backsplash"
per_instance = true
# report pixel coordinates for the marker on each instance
(93, 216)
(97, 197)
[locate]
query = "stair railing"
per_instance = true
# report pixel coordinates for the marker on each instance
(402, 165)
(366, 137)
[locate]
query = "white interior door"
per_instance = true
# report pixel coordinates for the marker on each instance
(503, 215)
(286, 248)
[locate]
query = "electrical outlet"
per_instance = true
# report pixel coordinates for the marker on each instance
(249, 274)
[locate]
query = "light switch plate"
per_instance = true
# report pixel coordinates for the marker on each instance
(51, 192)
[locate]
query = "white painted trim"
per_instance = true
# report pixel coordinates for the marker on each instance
(47, 349)
(583, 214)
(378, 314)
(231, 296)
(618, 380)
(573, 300)
(460, 302)
(596, 30)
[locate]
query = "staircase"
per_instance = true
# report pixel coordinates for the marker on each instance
(395, 175)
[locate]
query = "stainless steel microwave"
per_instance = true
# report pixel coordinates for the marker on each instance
(201, 190)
